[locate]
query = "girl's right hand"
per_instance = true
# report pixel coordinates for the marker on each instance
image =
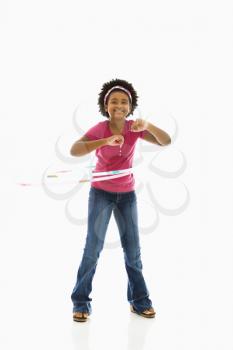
(115, 140)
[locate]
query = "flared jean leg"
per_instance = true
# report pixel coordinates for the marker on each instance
(99, 214)
(126, 217)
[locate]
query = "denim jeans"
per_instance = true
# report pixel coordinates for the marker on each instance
(100, 206)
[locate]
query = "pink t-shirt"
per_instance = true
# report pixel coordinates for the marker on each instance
(109, 158)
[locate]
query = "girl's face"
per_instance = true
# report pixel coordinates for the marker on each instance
(118, 106)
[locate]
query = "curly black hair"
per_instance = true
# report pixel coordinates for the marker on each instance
(107, 86)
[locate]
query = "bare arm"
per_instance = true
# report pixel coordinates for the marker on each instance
(84, 146)
(153, 134)
(160, 136)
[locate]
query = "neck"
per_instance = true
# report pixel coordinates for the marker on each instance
(117, 123)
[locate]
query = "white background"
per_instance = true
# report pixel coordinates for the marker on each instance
(178, 55)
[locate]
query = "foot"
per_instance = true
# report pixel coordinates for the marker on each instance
(80, 316)
(149, 313)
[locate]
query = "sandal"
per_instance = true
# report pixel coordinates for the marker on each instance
(80, 316)
(148, 313)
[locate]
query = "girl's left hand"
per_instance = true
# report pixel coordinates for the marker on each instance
(139, 125)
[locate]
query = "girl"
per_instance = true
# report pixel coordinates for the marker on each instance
(114, 141)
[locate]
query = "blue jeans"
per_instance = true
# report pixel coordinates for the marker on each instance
(100, 206)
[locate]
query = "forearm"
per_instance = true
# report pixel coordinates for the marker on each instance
(161, 136)
(81, 148)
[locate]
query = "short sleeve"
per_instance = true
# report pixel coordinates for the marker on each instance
(94, 133)
(142, 133)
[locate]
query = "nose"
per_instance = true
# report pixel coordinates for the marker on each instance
(119, 105)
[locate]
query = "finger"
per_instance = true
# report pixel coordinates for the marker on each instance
(134, 126)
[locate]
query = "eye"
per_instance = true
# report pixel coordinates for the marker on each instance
(123, 102)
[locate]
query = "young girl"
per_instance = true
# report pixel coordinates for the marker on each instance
(114, 141)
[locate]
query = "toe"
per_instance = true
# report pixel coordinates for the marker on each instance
(80, 314)
(149, 311)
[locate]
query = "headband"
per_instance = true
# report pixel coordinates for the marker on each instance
(117, 87)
